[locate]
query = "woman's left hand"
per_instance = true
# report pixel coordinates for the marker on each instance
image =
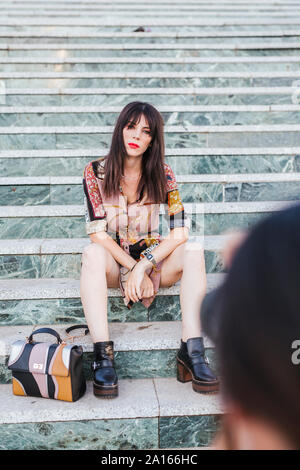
(133, 285)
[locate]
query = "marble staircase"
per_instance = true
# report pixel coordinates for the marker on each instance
(225, 75)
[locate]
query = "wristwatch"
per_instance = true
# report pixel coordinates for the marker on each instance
(152, 259)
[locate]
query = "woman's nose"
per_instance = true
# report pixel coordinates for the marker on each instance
(137, 134)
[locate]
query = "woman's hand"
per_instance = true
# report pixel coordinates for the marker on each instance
(138, 285)
(147, 289)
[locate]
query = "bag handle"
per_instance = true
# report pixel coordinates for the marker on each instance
(45, 330)
(76, 327)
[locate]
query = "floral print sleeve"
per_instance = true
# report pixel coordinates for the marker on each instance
(175, 216)
(95, 215)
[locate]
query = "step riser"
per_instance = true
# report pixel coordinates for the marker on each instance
(181, 165)
(69, 310)
(13, 195)
(246, 51)
(202, 118)
(130, 364)
(118, 434)
(155, 99)
(153, 67)
(173, 140)
(64, 266)
(163, 82)
(74, 227)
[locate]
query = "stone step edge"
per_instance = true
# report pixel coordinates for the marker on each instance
(122, 22)
(160, 398)
(146, 60)
(152, 90)
(165, 2)
(43, 246)
(280, 9)
(128, 336)
(158, 13)
(168, 129)
(177, 35)
(184, 179)
(63, 288)
(150, 74)
(112, 9)
(169, 152)
(162, 109)
(63, 210)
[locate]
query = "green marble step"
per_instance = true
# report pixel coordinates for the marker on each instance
(56, 301)
(172, 115)
(41, 162)
(170, 415)
(178, 96)
(152, 65)
(137, 50)
(193, 188)
(56, 137)
(67, 221)
(78, 80)
(59, 258)
(142, 349)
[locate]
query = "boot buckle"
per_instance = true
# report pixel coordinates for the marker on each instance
(95, 365)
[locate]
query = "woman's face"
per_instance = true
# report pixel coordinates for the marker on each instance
(137, 137)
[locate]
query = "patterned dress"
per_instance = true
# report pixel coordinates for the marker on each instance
(135, 226)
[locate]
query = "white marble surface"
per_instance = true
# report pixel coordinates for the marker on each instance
(139, 398)
(203, 178)
(76, 245)
(131, 336)
(71, 153)
(57, 288)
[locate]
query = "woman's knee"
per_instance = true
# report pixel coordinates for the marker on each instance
(94, 254)
(194, 253)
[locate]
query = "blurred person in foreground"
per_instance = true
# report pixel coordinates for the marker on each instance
(254, 320)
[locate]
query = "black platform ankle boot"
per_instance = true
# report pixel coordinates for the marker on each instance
(105, 377)
(192, 365)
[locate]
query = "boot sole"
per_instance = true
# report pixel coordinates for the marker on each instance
(105, 392)
(184, 374)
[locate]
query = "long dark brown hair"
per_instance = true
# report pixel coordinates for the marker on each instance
(153, 179)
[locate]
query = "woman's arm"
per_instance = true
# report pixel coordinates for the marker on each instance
(176, 237)
(104, 239)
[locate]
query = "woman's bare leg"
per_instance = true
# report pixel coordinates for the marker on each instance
(99, 270)
(187, 263)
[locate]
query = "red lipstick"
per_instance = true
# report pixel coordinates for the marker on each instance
(136, 146)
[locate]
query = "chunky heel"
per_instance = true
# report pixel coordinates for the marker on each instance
(183, 375)
(193, 366)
